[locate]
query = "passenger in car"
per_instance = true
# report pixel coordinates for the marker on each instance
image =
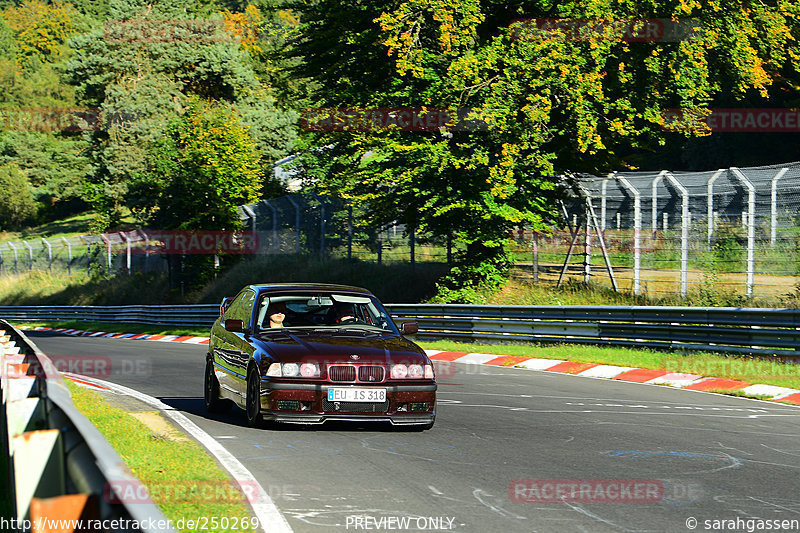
(276, 314)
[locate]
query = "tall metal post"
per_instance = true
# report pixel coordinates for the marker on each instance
(654, 208)
(30, 255)
(69, 255)
(49, 255)
(296, 224)
(751, 228)
(710, 206)
(603, 186)
(146, 250)
(274, 225)
(349, 231)
(127, 251)
(108, 251)
(535, 257)
(16, 258)
(587, 245)
(773, 229)
(412, 244)
(684, 232)
(637, 229)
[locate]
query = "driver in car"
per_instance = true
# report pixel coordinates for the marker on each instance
(345, 314)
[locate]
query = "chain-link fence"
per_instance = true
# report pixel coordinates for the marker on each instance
(731, 232)
(312, 224)
(727, 232)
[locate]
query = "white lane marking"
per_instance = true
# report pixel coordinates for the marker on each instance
(480, 494)
(265, 509)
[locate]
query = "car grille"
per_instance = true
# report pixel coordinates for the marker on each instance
(355, 407)
(366, 373)
(370, 373)
(342, 373)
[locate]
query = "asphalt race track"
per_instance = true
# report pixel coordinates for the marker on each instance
(709, 457)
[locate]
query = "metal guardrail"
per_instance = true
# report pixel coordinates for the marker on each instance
(59, 466)
(720, 329)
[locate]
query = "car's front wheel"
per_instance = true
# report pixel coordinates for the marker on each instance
(214, 404)
(253, 399)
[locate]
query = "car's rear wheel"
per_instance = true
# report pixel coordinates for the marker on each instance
(253, 399)
(214, 404)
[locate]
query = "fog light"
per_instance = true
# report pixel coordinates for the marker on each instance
(402, 407)
(305, 406)
(288, 405)
(419, 406)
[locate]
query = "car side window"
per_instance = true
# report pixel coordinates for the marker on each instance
(242, 307)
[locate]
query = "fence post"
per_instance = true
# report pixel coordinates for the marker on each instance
(773, 233)
(380, 245)
(146, 250)
(108, 251)
(449, 248)
(49, 256)
(535, 257)
(412, 244)
(654, 207)
(603, 186)
(16, 258)
(296, 224)
(127, 251)
(274, 225)
(587, 245)
(751, 228)
(88, 255)
(30, 255)
(637, 229)
(711, 217)
(684, 232)
(665, 223)
(349, 231)
(69, 255)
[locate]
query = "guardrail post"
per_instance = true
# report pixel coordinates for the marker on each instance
(751, 228)
(710, 205)
(773, 233)
(637, 229)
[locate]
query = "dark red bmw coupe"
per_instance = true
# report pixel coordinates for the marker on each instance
(308, 353)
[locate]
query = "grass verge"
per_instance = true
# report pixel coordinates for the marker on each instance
(184, 481)
(749, 369)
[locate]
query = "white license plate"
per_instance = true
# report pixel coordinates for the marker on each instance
(351, 394)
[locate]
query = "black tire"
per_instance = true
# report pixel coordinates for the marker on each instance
(253, 399)
(214, 404)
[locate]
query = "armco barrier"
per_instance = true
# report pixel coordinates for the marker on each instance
(721, 329)
(59, 465)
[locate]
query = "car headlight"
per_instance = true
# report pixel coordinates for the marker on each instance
(399, 371)
(293, 370)
(309, 370)
(290, 370)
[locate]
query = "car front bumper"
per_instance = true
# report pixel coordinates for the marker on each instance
(406, 404)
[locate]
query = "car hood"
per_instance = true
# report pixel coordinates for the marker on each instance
(332, 346)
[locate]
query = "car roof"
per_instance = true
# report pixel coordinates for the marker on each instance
(270, 287)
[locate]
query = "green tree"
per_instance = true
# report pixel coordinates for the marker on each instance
(16, 203)
(142, 80)
(549, 103)
(198, 175)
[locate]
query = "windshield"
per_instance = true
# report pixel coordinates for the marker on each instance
(322, 309)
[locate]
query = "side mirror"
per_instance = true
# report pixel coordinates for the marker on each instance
(409, 328)
(234, 325)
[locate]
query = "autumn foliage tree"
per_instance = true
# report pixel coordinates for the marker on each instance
(550, 102)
